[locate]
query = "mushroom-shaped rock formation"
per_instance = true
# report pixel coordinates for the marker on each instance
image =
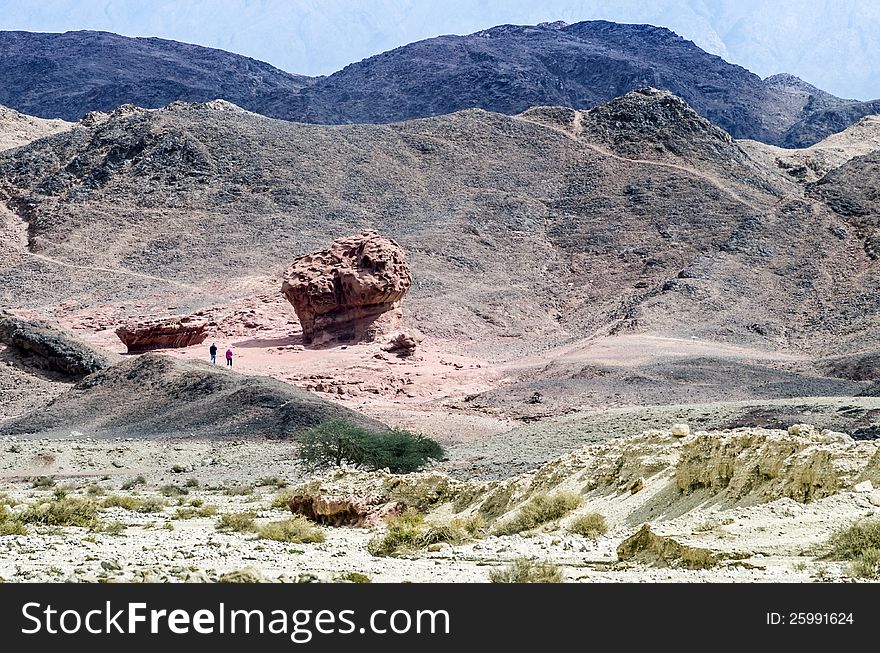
(350, 292)
(162, 334)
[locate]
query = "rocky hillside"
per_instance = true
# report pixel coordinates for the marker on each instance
(506, 69)
(157, 396)
(520, 233)
(511, 68)
(67, 75)
(18, 129)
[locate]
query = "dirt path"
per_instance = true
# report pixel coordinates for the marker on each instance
(23, 245)
(711, 179)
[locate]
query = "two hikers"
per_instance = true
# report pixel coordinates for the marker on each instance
(213, 351)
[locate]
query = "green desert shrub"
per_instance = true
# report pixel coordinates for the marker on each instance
(860, 544)
(338, 442)
(95, 490)
(237, 521)
(294, 530)
(62, 511)
(42, 482)
(591, 526)
(523, 570)
(540, 509)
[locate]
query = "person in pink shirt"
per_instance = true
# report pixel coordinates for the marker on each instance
(229, 357)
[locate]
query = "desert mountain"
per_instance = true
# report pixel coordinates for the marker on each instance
(18, 129)
(522, 232)
(509, 68)
(67, 75)
(812, 163)
(506, 69)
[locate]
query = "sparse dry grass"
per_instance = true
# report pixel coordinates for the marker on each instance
(409, 532)
(294, 530)
(591, 526)
(524, 570)
(133, 483)
(239, 490)
(860, 544)
(172, 490)
(191, 512)
(240, 522)
(540, 509)
(147, 505)
(354, 577)
(61, 511)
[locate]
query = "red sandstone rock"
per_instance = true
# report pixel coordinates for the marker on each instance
(350, 292)
(344, 511)
(163, 334)
(403, 343)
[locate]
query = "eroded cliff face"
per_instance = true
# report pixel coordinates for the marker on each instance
(350, 292)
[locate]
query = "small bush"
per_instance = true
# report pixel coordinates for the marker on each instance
(860, 544)
(95, 490)
(239, 490)
(295, 530)
(113, 528)
(172, 490)
(42, 482)
(523, 570)
(540, 509)
(191, 482)
(131, 484)
(282, 499)
(409, 532)
(867, 565)
(404, 534)
(272, 481)
(148, 505)
(12, 527)
(66, 511)
(8, 524)
(118, 501)
(335, 442)
(237, 521)
(190, 512)
(354, 577)
(6, 500)
(591, 526)
(196, 503)
(474, 525)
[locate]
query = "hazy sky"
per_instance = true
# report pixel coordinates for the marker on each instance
(834, 44)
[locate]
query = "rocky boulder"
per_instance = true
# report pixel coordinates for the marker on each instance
(358, 512)
(403, 343)
(163, 334)
(50, 348)
(350, 292)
